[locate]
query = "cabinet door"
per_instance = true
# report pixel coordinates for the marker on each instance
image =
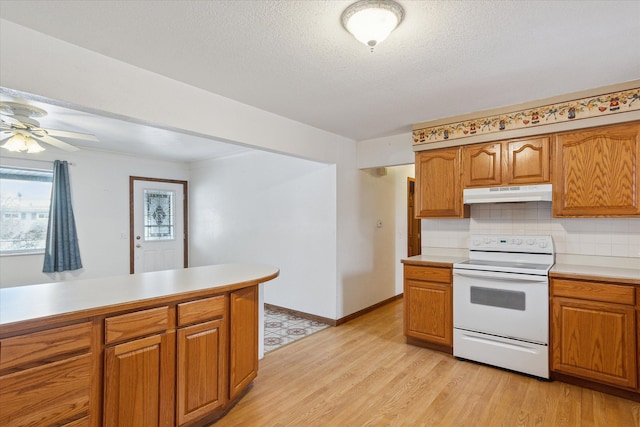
(139, 382)
(51, 394)
(438, 185)
(595, 341)
(201, 370)
(528, 161)
(597, 172)
(428, 311)
(482, 165)
(243, 361)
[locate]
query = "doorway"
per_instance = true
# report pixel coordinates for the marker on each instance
(414, 241)
(158, 224)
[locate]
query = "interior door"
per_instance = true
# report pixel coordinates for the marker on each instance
(158, 224)
(414, 228)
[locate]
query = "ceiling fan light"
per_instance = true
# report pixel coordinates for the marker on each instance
(16, 143)
(371, 21)
(33, 146)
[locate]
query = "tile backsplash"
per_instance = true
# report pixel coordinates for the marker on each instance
(619, 237)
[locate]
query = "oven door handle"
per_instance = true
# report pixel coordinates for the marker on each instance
(503, 277)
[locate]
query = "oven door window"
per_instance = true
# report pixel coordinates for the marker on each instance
(514, 300)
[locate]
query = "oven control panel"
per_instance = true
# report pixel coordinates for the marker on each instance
(510, 243)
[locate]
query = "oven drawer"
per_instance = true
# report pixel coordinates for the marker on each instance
(529, 358)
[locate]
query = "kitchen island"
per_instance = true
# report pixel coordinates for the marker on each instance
(173, 347)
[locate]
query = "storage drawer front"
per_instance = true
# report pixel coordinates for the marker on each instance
(47, 395)
(44, 345)
(201, 310)
(430, 274)
(604, 292)
(136, 324)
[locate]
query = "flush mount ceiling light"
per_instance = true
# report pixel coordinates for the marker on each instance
(371, 21)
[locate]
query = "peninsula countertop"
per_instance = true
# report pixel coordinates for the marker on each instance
(89, 297)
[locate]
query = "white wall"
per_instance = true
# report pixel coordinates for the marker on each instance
(273, 209)
(606, 237)
(92, 82)
(100, 198)
(391, 150)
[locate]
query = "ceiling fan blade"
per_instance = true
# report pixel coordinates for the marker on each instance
(12, 121)
(56, 143)
(72, 135)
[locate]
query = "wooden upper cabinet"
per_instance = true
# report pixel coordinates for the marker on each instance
(513, 162)
(482, 165)
(527, 160)
(438, 184)
(597, 172)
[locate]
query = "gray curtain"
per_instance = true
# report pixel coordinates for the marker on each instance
(61, 252)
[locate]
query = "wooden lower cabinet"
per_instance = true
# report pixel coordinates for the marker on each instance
(243, 340)
(201, 366)
(46, 377)
(593, 331)
(428, 304)
(139, 382)
(52, 394)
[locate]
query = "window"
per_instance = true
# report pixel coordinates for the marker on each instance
(159, 215)
(24, 209)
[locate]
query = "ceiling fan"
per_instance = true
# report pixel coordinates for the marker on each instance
(21, 130)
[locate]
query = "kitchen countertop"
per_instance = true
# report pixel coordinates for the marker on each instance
(433, 260)
(86, 295)
(594, 272)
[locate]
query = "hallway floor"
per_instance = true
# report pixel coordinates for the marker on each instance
(282, 328)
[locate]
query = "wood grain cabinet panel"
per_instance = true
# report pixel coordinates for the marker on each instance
(243, 354)
(51, 394)
(428, 305)
(482, 165)
(44, 345)
(136, 324)
(528, 161)
(597, 172)
(201, 370)
(139, 382)
(595, 341)
(512, 162)
(439, 185)
(594, 331)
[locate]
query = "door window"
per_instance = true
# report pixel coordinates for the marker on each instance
(159, 218)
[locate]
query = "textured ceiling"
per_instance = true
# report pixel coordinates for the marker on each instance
(293, 58)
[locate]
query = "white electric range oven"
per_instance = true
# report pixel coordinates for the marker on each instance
(501, 302)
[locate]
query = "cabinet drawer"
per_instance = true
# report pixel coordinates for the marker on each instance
(430, 274)
(201, 310)
(49, 395)
(44, 346)
(136, 324)
(604, 292)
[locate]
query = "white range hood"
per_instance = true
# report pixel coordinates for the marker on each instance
(521, 193)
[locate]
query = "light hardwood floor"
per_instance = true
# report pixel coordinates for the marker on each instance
(363, 374)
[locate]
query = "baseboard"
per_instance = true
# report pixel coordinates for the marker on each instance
(366, 310)
(326, 320)
(302, 314)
